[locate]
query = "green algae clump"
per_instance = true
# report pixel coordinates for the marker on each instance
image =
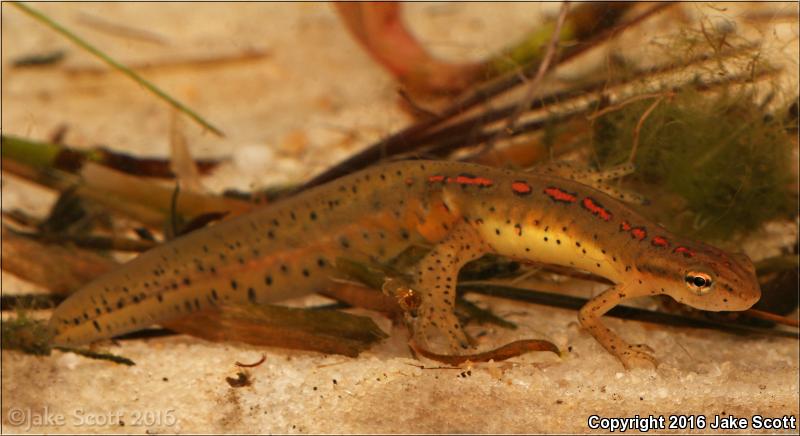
(716, 165)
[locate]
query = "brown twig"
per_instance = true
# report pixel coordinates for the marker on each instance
(601, 87)
(445, 137)
(464, 140)
(622, 104)
(21, 218)
(59, 269)
(252, 365)
(327, 331)
(624, 312)
(121, 30)
(533, 86)
(94, 242)
(638, 129)
(785, 320)
(406, 140)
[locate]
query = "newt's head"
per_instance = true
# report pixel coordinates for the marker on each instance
(705, 278)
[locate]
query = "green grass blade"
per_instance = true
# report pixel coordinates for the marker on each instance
(117, 66)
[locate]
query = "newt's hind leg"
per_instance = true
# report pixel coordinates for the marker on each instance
(434, 279)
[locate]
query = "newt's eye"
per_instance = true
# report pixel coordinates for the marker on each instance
(698, 281)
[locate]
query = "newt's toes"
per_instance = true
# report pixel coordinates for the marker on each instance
(458, 341)
(644, 348)
(634, 358)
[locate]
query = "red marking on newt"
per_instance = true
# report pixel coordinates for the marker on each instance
(518, 229)
(521, 188)
(686, 252)
(560, 195)
(639, 233)
(461, 179)
(596, 209)
(625, 226)
(660, 241)
(466, 179)
(409, 181)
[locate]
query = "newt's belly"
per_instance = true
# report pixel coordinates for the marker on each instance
(538, 231)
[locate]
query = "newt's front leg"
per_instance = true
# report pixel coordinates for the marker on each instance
(631, 356)
(435, 280)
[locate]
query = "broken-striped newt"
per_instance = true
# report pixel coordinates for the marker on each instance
(462, 210)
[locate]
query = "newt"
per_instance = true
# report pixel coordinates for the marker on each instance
(462, 210)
